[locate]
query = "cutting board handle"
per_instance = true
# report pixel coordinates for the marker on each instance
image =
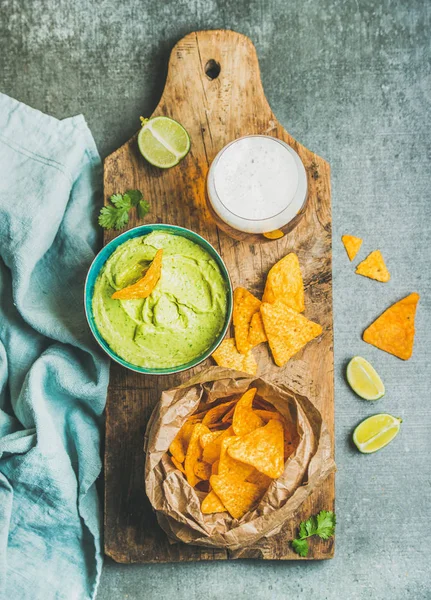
(218, 71)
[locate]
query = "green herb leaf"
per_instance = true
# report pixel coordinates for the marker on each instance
(108, 217)
(122, 218)
(310, 526)
(120, 201)
(303, 530)
(325, 524)
(143, 208)
(116, 215)
(322, 525)
(300, 547)
(134, 196)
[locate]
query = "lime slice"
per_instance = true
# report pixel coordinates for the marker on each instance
(364, 380)
(163, 142)
(376, 432)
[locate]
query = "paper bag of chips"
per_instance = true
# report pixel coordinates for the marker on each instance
(231, 457)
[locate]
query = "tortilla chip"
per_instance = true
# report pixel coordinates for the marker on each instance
(394, 330)
(177, 449)
(186, 431)
(262, 404)
(230, 466)
(212, 504)
(289, 432)
(228, 416)
(284, 282)
(244, 418)
(237, 496)
(273, 235)
(262, 481)
(351, 244)
(202, 470)
(144, 286)
(256, 333)
(228, 356)
(207, 438)
(194, 453)
(178, 465)
(374, 267)
(211, 451)
(287, 330)
(245, 305)
(214, 468)
(217, 412)
(263, 448)
(267, 415)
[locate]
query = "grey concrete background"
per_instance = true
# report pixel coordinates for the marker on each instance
(352, 81)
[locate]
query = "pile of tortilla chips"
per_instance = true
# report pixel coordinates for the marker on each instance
(276, 319)
(233, 450)
(394, 330)
(373, 267)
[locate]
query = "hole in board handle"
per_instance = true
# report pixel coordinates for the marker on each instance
(212, 69)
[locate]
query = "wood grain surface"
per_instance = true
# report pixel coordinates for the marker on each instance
(214, 112)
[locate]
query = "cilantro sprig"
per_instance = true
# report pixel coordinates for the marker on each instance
(322, 525)
(116, 214)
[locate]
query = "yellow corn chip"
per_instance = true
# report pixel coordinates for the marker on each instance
(228, 416)
(263, 448)
(228, 356)
(194, 453)
(211, 451)
(177, 449)
(230, 466)
(178, 465)
(186, 431)
(284, 282)
(202, 470)
(267, 415)
(351, 244)
(287, 330)
(237, 496)
(216, 413)
(262, 481)
(214, 468)
(374, 267)
(394, 330)
(144, 286)
(212, 504)
(273, 235)
(257, 333)
(260, 403)
(244, 418)
(245, 305)
(207, 438)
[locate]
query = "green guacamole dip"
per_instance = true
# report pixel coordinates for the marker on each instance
(181, 318)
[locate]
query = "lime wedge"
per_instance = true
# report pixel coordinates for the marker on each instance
(364, 380)
(163, 142)
(376, 432)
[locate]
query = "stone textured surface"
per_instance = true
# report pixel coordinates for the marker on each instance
(351, 80)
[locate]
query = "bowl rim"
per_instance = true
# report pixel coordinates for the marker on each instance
(106, 252)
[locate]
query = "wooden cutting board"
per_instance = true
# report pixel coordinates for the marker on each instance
(213, 89)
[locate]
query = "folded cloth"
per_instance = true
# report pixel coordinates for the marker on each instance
(53, 378)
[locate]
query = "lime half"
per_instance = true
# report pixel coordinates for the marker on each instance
(376, 432)
(364, 380)
(163, 142)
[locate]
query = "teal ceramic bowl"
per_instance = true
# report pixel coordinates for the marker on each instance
(99, 263)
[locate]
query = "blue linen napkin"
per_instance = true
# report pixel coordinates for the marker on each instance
(53, 378)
